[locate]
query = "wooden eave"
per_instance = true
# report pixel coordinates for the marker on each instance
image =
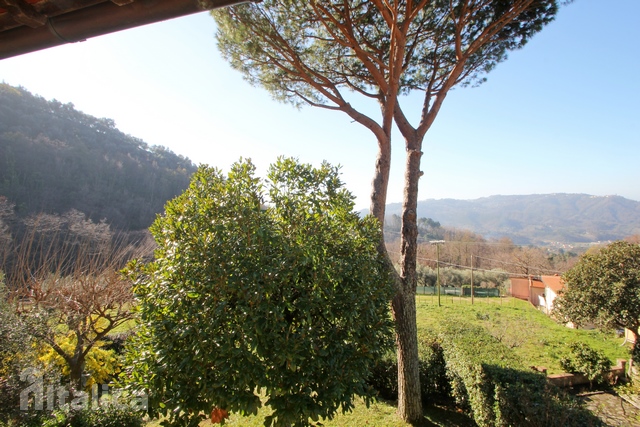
(30, 25)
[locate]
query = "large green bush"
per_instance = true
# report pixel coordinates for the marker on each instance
(492, 385)
(271, 287)
(584, 359)
(604, 288)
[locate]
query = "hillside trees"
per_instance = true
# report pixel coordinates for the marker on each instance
(6, 214)
(320, 53)
(49, 242)
(458, 277)
(604, 288)
(292, 287)
(428, 229)
(54, 158)
(529, 260)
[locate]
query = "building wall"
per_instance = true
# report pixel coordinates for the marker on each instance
(520, 288)
(550, 296)
(536, 293)
(629, 335)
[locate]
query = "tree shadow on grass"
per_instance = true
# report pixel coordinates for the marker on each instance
(445, 416)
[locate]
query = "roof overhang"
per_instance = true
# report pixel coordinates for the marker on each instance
(30, 25)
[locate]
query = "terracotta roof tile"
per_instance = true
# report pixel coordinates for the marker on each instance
(555, 283)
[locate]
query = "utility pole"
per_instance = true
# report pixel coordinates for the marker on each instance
(437, 243)
(471, 279)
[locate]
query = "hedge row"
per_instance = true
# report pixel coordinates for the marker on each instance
(491, 383)
(487, 380)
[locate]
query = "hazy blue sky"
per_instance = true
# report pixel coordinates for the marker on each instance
(561, 115)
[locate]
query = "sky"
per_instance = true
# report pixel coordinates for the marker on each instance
(561, 115)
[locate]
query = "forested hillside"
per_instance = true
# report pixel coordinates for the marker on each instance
(54, 158)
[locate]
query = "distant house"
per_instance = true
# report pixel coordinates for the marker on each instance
(520, 288)
(540, 291)
(552, 285)
(629, 336)
(528, 288)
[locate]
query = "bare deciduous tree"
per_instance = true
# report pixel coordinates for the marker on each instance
(75, 290)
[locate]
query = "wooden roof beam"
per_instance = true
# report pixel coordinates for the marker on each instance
(23, 13)
(104, 17)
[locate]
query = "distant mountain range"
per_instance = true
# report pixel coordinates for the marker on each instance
(540, 219)
(54, 158)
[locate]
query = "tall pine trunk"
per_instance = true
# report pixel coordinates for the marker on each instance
(380, 181)
(404, 303)
(409, 396)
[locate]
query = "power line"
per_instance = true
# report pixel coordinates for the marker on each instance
(465, 267)
(519, 265)
(457, 242)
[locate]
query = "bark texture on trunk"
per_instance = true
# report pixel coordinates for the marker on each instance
(76, 364)
(377, 208)
(380, 181)
(409, 396)
(409, 237)
(404, 303)
(76, 370)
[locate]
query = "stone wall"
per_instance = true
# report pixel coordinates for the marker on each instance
(571, 380)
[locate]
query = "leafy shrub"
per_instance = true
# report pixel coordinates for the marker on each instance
(17, 351)
(384, 377)
(585, 360)
(433, 372)
(293, 290)
(603, 288)
(109, 416)
(25, 420)
(114, 417)
(433, 378)
(101, 365)
(490, 383)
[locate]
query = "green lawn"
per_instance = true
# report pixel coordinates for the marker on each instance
(381, 414)
(533, 336)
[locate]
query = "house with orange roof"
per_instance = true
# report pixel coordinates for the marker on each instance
(540, 291)
(527, 288)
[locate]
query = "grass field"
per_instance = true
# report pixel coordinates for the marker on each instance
(380, 414)
(533, 336)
